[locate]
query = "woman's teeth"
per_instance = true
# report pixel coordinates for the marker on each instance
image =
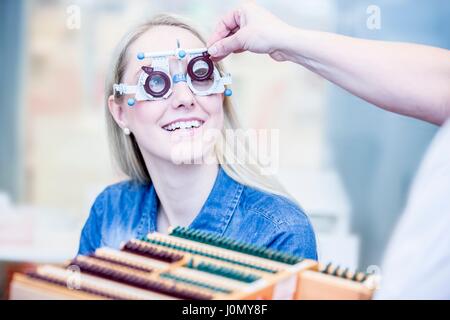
(183, 125)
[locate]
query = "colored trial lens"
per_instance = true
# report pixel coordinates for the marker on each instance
(157, 83)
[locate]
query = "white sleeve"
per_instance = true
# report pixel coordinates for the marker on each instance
(417, 262)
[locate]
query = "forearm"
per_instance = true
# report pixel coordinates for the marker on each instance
(408, 79)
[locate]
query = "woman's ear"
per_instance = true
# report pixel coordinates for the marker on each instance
(117, 111)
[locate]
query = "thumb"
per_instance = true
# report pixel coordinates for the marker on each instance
(224, 47)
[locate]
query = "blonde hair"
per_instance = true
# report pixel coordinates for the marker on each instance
(125, 149)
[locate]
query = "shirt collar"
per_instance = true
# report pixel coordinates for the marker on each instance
(215, 214)
(220, 206)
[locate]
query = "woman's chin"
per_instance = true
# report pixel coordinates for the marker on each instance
(193, 152)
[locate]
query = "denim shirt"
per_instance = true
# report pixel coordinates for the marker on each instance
(129, 210)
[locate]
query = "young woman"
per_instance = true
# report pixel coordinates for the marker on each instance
(226, 197)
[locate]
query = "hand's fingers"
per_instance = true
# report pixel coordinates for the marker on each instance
(224, 47)
(228, 24)
(218, 58)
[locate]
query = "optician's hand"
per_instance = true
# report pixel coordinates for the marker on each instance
(247, 28)
(404, 78)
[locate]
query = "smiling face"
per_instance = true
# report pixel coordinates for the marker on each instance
(172, 129)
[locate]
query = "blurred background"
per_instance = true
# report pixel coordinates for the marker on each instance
(348, 164)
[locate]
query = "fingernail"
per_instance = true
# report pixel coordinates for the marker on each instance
(212, 50)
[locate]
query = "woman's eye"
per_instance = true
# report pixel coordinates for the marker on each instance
(157, 83)
(205, 80)
(200, 68)
(201, 72)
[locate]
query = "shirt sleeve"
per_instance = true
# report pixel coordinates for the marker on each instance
(91, 233)
(298, 240)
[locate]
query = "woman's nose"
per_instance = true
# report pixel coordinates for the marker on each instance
(182, 95)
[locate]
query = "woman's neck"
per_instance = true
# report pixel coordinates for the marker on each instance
(182, 189)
